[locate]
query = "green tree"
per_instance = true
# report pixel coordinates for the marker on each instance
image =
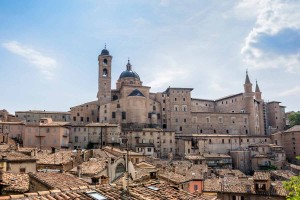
(294, 118)
(293, 186)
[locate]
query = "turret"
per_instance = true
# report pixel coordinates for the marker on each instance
(257, 92)
(248, 84)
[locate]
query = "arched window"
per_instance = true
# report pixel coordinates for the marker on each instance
(120, 169)
(104, 62)
(105, 72)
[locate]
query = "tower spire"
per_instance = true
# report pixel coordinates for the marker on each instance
(247, 77)
(256, 87)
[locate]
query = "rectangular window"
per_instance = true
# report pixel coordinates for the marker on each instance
(22, 170)
(81, 119)
(176, 108)
(149, 149)
(87, 119)
(113, 115)
(208, 119)
(76, 138)
(195, 187)
(221, 120)
(123, 115)
(158, 116)
(74, 119)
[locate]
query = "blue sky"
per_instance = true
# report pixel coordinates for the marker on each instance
(49, 49)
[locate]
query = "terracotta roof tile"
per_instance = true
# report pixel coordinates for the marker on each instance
(17, 182)
(58, 180)
(61, 157)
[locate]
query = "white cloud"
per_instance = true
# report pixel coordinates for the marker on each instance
(44, 64)
(271, 18)
(291, 92)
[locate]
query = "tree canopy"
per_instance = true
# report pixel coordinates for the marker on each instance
(293, 186)
(294, 118)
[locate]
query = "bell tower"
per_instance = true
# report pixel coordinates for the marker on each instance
(104, 77)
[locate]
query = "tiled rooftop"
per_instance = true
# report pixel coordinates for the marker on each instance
(157, 190)
(262, 175)
(241, 185)
(81, 193)
(151, 190)
(174, 177)
(295, 128)
(229, 172)
(99, 153)
(194, 157)
(17, 182)
(58, 180)
(16, 156)
(61, 157)
(215, 155)
(119, 152)
(92, 167)
(295, 166)
(282, 174)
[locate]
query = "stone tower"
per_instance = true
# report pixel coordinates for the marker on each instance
(250, 105)
(104, 81)
(257, 92)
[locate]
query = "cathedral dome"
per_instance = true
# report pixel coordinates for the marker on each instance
(128, 73)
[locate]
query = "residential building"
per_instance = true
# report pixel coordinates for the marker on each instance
(47, 134)
(34, 116)
(289, 140)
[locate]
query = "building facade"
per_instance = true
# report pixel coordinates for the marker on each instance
(34, 116)
(236, 120)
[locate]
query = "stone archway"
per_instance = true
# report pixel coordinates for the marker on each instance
(120, 169)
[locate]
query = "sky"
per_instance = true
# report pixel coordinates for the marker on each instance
(49, 49)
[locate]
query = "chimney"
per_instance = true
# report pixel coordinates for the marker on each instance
(79, 171)
(33, 153)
